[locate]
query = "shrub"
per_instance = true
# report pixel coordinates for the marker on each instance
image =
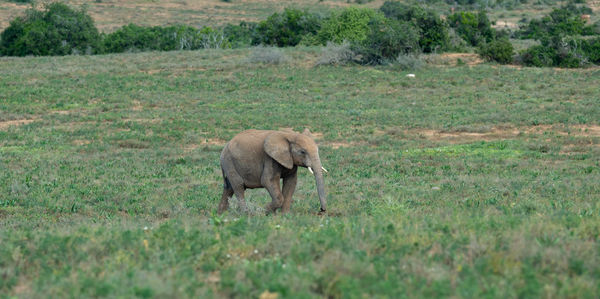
(433, 30)
(500, 50)
(473, 28)
(350, 24)
(180, 37)
(592, 49)
(386, 40)
(538, 55)
(267, 55)
(563, 52)
(240, 35)
(286, 28)
(336, 54)
(560, 22)
(58, 30)
(134, 37)
(456, 42)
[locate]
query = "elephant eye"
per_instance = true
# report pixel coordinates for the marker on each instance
(303, 152)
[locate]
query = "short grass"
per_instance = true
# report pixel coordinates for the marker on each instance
(465, 181)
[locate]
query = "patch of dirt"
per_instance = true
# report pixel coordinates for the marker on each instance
(62, 112)
(494, 134)
(467, 58)
(499, 133)
(204, 142)
(213, 141)
(9, 123)
(594, 5)
(137, 105)
(572, 149)
(81, 142)
(172, 70)
(505, 24)
(337, 144)
(573, 130)
(143, 120)
(214, 277)
(22, 287)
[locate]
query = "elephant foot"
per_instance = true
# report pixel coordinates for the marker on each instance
(272, 208)
(222, 208)
(322, 212)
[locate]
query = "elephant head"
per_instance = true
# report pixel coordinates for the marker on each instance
(291, 148)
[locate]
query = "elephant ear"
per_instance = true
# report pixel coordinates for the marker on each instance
(307, 133)
(278, 148)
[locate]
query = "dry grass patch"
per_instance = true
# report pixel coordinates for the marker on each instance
(4, 125)
(453, 59)
(499, 133)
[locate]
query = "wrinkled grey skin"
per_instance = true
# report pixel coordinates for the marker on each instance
(259, 159)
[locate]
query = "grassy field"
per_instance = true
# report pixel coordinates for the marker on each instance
(466, 181)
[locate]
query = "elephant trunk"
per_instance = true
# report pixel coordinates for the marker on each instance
(318, 172)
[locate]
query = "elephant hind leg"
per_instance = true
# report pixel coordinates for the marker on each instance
(234, 184)
(227, 193)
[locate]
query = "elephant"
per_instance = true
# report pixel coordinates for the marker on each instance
(260, 158)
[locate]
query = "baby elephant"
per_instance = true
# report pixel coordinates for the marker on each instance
(259, 159)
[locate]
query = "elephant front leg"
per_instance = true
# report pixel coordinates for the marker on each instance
(289, 185)
(272, 185)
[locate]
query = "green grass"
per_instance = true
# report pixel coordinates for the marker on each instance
(501, 201)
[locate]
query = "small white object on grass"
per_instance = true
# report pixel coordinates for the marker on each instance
(410, 75)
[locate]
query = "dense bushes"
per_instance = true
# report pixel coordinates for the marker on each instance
(350, 24)
(500, 50)
(563, 52)
(181, 37)
(58, 30)
(386, 40)
(353, 34)
(286, 28)
(560, 39)
(433, 31)
(475, 28)
(240, 35)
(560, 22)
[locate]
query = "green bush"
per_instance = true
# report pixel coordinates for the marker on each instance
(241, 35)
(592, 49)
(567, 52)
(475, 28)
(350, 24)
(181, 37)
(500, 50)
(386, 40)
(560, 22)
(286, 28)
(57, 30)
(433, 30)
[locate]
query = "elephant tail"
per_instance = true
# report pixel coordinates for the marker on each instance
(226, 183)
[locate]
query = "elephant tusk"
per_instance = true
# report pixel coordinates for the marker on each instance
(311, 171)
(324, 169)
